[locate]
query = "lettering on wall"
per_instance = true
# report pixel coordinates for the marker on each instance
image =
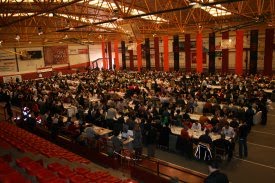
(7, 61)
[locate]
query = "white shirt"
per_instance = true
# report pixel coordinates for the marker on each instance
(228, 132)
(196, 126)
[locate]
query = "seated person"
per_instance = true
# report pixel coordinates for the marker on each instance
(184, 143)
(228, 131)
(222, 143)
(205, 138)
(214, 120)
(207, 126)
(164, 136)
(203, 119)
(186, 116)
(196, 126)
(117, 143)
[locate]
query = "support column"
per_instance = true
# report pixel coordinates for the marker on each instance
(165, 54)
(156, 47)
(253, 51)
(176, 52)
(212, 54)
(239, 52)
(268, 54)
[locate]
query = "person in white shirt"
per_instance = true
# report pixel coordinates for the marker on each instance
(196, 126)
(228, 131)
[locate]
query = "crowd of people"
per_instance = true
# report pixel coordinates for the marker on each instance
(148, 103)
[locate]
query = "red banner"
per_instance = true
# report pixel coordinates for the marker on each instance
(239, 52)
(55, 55)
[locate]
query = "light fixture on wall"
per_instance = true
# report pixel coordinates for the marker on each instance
(66, 36)
(40, 31)
(17, 37)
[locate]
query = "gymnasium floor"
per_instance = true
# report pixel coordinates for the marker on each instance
(259, 167)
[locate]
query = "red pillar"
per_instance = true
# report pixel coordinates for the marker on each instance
(239, 52)
(156, 47)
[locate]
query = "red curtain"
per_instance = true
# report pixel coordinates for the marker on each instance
(239, 52)
(268, 54)
(165, 54)
(103, 55)
(139, 55)
(156, 46)
(187, 49)
(116, 55)
(199, 52)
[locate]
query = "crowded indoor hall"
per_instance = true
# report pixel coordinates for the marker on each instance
(120, 91)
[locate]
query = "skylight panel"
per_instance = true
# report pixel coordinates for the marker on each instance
(219, 11)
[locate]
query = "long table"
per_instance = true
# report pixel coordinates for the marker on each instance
(195, 134)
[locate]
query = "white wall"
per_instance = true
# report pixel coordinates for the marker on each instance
(78, 54)
(33, 64)
(7, 61)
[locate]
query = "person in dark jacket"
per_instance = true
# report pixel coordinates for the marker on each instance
(205, 138)
(137, 142)
(151, 141)
(215, 176)
(243, 132)
(249, 113)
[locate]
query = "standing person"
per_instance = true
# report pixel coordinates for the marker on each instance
(249, 113)
(243, 132)
(137, 142)
(263, 108)
(215, 176)
(117, 143)
(9, 110)
(151, 141)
